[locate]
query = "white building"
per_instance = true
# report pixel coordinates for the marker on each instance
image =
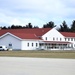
(39, 38)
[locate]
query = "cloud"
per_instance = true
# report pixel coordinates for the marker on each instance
(35, 11)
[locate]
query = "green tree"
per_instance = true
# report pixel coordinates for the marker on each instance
(73, 26)
(35, 27)
(64, 27)
(13, 26)
(49, 25)
(4, 27)
(29, 25)
(9, 27)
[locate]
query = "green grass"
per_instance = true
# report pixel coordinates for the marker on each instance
(39, 54)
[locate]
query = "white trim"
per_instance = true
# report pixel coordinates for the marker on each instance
(8, 33)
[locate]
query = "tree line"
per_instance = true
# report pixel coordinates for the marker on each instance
(19, 26)
(63, 27)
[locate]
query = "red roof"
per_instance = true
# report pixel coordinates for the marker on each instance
(26, 33)
(68, 34)
(26, 36)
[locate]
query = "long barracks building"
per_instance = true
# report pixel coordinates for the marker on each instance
(37, 39)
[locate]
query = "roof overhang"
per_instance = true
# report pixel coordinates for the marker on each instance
(57, 42)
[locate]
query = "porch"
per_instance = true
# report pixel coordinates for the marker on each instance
(55, 45)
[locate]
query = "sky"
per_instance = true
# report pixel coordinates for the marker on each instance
(36, 12)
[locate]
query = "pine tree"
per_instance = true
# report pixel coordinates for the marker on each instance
(64, 27)
(73, 26)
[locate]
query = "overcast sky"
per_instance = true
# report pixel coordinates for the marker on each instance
(38, 12)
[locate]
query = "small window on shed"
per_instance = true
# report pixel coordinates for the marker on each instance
(10, 44)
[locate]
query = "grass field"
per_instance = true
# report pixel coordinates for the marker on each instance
(40, 54)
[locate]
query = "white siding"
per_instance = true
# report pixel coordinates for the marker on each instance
(6, 40)
(30, 47)
(53, 33)
(72, 40)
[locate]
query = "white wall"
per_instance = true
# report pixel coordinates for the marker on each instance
(72, 41)
(53, 33)
(6, 40)
(73, 44)
(30, 47)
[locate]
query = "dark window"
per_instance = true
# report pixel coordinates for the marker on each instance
(36, 44)
(53, 38)
(28, 44)
(60, 39)
(65, 39)
(46, 38)
(68, 39)
(10, 44)
(71, 39)
(32, 44)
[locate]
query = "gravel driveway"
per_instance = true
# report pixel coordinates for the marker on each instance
(36, 66)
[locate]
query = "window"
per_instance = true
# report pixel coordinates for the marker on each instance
(68, 39)
(28, 45)
(65, 39)
(10, 44)
(32, 44)
(57, 39)
(60, 39)
(36, 44)
(53, 38)
(46, 38)
(71, 39)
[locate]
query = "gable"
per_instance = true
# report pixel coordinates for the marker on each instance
(10, 35)
(53, 33)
